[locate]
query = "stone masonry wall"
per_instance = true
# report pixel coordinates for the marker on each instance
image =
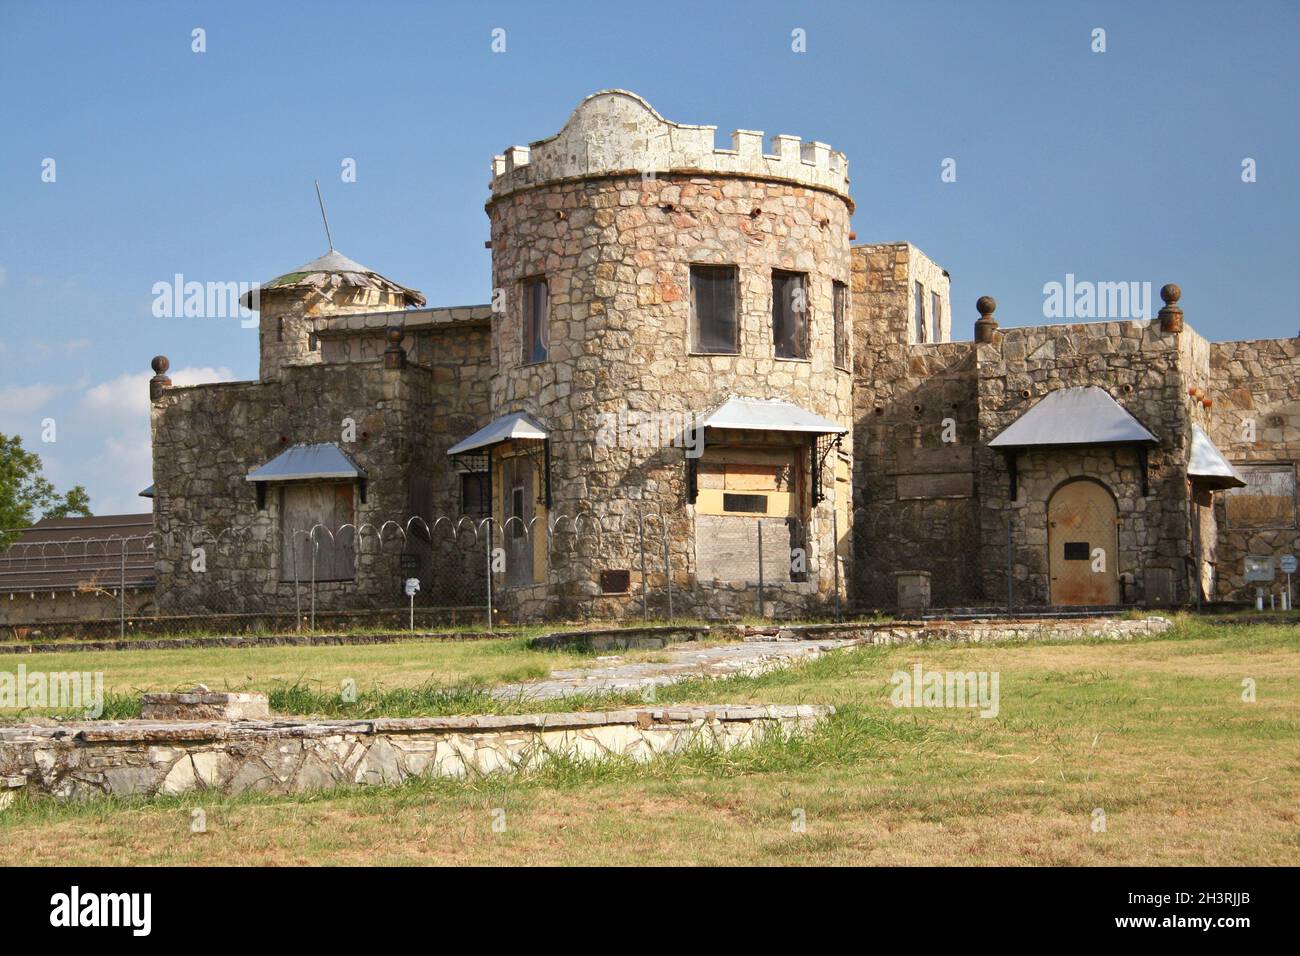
(1140, 366)
(616, 253)
(1256, 380)
(207, 438)
(915, 504)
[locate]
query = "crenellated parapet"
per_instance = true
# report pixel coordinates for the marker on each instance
(615, 132)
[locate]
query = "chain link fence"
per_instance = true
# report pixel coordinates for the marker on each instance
(410, 573)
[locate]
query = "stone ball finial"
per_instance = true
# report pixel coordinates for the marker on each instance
(394, 354)
(1171, 316)
(985, 325)
(160, 382)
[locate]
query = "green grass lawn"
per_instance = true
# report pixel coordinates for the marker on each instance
(1153, 733)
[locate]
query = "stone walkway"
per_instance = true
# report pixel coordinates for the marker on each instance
(726, 660)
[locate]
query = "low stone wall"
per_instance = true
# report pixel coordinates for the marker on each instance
(625, 639)
(144, 758)
(973, 632)
(142, 624)
(267, 640)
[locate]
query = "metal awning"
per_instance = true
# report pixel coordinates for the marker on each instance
(769, 415)
(147, 493)
(305, 462)
(517, 426)
(1208, 467)
(1074, 416)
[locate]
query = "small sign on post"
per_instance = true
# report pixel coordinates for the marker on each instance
(1288, 566)
(412, 589)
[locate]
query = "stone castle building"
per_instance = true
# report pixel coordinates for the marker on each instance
(683, 344)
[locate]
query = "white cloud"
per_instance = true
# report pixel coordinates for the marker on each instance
(127, 396)
(21, 405)
(124, 464)
(25, 399)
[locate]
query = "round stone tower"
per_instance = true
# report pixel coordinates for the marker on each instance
(642, 279)
(330, 285)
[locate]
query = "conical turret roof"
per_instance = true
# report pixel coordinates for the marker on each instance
(335, 270)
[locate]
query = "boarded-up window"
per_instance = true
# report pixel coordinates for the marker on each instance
(840, 294)
(790, 314)
(537, 332)
(744, 481)
(713, 310)
(317, 516)
(1267, 501)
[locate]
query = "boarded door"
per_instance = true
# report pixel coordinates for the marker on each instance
(519, 500)
(326, 508)
(1083, 544)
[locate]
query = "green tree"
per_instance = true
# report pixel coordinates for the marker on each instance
(26, 494)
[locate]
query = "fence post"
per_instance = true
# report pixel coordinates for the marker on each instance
(121, 594)
(760, 567)
(835, 561)
(297, 585)
(645, 584)
(1011, 560)
(489, 573)
(314, 546)
(668, 566)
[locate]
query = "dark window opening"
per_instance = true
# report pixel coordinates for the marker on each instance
(840, 295)
(919, 318)
(615, 582)
(517, 527)
(936, 317)
(714, 326)
(1077, 551)
(751, 504)
(474, 494)
(790, 315)
(537, 332)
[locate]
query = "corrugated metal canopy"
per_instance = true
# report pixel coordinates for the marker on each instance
(1207, 466)
(1074, 416)
(306, 462)
(769, 415)
(517, 426)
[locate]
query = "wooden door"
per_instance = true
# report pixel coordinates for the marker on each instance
(518, 529)
(1083, 544)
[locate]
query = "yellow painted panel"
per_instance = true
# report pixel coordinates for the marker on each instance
(780, 504)
(754, 477)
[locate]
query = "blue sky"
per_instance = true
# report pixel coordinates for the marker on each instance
(1115, 166)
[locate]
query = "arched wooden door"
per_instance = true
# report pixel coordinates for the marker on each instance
(1083, 544)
